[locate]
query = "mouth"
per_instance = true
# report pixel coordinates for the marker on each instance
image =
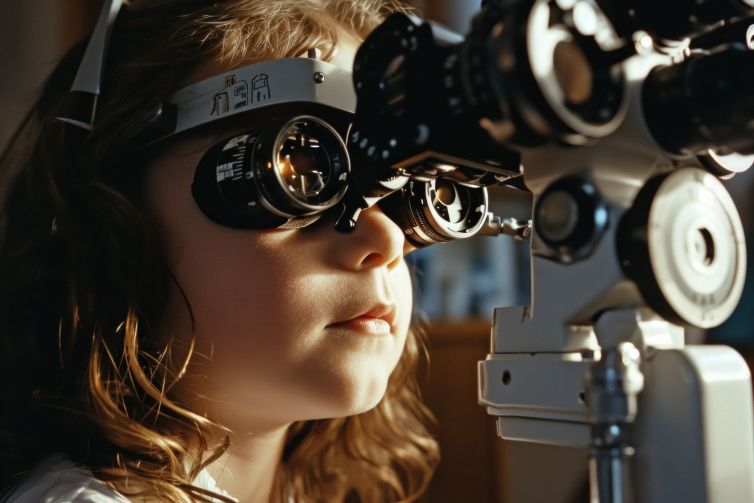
(378, 320)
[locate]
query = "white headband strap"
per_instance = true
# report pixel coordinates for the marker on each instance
(290, 80)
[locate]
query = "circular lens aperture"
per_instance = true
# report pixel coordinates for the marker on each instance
(682, 242)
(262, 179)
(302, 164)
(437, 211)
(310, 161)
(447, 201)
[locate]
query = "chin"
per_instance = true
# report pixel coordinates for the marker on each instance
(354, 396)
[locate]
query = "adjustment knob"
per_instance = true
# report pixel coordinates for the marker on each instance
(570, 217)
(683, 244)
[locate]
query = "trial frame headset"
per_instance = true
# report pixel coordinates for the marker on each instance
(289, 172)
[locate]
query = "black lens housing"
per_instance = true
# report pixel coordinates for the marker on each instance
(426, 104)
(677, 19)
(427, 217)
(237, 182)
(705, 102)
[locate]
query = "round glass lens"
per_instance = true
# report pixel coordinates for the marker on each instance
(303, 162)
(448, 202)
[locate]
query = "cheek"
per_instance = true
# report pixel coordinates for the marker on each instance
(403, 292)
(261, 304)
(262, 318)
(238, 284)
(248, 303)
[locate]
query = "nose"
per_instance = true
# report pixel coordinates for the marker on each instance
(376, 242)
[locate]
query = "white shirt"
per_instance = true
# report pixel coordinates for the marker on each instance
(56, 479)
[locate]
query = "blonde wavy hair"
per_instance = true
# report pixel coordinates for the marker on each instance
(79, 371)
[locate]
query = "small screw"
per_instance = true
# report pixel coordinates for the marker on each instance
(643, 42)
(319, 77)
(506, 377)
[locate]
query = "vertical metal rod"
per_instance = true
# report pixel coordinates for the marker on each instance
(609, 478)
(613, 384)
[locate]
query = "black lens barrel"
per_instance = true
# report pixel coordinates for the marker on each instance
(238, 182)
(675, 19)
(705, 102)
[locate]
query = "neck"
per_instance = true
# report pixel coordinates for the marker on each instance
(247, 470)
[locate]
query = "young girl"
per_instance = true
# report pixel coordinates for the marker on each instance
(148, 353)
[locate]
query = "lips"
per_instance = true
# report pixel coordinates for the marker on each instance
(376, 320)
(384, 312)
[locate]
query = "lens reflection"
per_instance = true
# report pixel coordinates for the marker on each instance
(447, 201)
(303, 164)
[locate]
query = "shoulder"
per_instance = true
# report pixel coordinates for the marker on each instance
(57, 480)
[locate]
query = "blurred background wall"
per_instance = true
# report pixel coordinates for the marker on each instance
(33, 36)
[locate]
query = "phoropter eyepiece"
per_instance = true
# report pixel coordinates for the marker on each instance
(264, 179)
(310, 163)
(437, 211)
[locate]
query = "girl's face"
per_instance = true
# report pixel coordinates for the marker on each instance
(289, 324)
